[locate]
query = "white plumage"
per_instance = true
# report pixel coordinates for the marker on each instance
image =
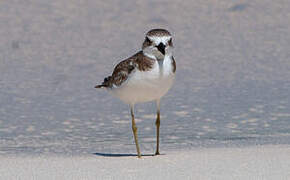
(144, 86)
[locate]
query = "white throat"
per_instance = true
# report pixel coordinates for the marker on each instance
(155, 54)
(148, 54)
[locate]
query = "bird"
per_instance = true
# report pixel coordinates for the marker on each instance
(144, 77)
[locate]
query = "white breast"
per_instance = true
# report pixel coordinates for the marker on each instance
(143, 86)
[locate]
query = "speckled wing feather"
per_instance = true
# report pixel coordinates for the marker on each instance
(124, 68)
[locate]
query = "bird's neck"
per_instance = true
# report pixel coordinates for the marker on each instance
(152, 56)
(149, 55)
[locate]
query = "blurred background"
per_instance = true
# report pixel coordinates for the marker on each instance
(232, 85)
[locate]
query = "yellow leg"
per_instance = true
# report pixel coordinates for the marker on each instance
(157, 123)
(134, 128)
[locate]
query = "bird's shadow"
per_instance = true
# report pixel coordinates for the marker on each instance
(121, 155)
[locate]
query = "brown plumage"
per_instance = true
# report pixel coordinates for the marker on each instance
(125, 67)
(158, 32)
(173, 64)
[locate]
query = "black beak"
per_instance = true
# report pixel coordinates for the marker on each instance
(161, 48)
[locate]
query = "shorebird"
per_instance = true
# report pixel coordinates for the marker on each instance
(146, 76)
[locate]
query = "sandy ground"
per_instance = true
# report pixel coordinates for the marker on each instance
(232, 80)
(257, 162)
(226, 117)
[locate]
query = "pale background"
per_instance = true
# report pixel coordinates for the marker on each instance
(232, 86)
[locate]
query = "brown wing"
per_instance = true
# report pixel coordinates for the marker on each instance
(124, 68)
(173, 64)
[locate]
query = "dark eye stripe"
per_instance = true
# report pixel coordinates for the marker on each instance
(170, 42)
(148, 40)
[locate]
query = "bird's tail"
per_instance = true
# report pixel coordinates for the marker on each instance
(106, 83)
(100, 86)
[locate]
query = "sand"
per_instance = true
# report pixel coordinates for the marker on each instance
(228, 106)
(257, 162)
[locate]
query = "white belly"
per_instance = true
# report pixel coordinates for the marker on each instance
(144, 86)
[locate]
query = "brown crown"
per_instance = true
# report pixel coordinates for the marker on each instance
(158, 32)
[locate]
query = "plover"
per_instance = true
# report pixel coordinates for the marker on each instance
(146, 76)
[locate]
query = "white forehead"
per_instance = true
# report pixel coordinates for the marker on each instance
(159, 39)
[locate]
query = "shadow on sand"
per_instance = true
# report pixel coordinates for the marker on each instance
(120, 155)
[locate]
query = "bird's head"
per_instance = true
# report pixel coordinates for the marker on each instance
(157, 44)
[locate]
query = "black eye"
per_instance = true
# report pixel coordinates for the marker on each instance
(170, 42)
(148, 40)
